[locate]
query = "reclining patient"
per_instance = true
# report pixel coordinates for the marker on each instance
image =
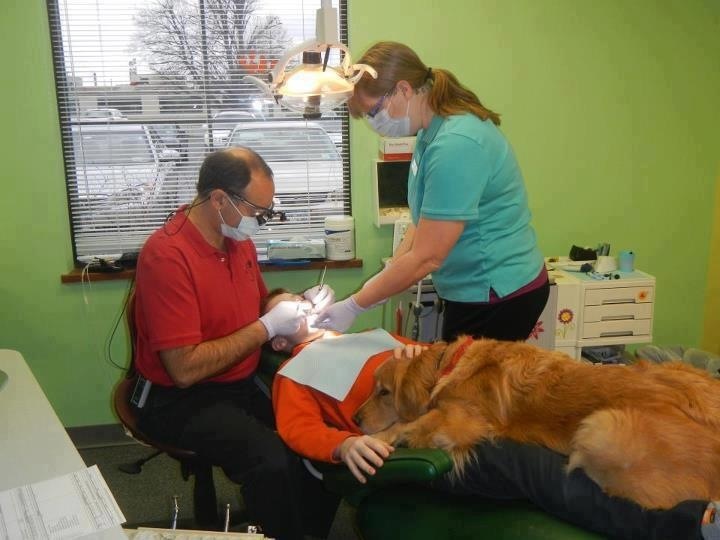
(321, 427)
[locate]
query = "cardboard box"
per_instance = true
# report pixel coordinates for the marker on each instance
(396, 148)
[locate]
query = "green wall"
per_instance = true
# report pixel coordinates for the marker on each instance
(611, 107)
(711, 334)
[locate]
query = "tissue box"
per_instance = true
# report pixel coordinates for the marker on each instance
(396, 148)
(284, 250)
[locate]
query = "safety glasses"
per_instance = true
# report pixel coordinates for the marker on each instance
(379, 104)
(262, 214)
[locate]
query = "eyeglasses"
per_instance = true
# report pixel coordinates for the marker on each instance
(379, 104)
(262, 214)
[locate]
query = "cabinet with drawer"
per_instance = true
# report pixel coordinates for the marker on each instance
(606, 312)
(617, 311)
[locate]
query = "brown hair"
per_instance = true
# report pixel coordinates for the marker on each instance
(270, 296)
(397, 62)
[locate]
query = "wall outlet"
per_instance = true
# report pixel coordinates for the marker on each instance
(401, 226)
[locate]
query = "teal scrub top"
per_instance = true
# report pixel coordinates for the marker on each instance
(463, 169)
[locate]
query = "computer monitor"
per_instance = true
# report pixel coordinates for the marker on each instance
(390, 193)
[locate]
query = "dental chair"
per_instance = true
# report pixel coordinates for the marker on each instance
(397, 502)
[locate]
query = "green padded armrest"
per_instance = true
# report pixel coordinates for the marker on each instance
(404, 466)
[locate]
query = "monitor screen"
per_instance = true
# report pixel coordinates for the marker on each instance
(392, 179)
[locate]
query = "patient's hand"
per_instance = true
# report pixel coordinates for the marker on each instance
(363, 454)
(409, 351)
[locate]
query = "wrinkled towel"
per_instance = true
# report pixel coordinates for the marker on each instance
(695, 357)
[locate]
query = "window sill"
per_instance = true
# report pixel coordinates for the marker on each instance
(75, 275)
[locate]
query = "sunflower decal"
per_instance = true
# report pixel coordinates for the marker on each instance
(565, 316)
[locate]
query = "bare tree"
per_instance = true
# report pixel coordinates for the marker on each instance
(208, 45)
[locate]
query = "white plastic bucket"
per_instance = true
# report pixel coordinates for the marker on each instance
(339, 238)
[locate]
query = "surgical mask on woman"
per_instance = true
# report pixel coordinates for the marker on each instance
(245, 229)
(387, 126)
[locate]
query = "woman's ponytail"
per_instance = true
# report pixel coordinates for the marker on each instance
(448, 96)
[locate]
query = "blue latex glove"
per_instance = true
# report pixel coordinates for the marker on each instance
(320, 296)
(339, 316)
(285, 318)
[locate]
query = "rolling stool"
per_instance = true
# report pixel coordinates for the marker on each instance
(204, 498)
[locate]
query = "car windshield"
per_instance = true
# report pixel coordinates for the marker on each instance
(112, 147)
(287, 144)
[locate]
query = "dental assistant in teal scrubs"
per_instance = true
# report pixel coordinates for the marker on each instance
(471, 222)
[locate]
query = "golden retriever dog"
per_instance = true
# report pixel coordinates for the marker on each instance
(646, 432)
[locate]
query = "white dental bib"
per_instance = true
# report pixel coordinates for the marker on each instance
(331, 365)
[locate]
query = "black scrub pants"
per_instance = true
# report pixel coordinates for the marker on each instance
(232, 426)
(506, 470)
(509, 320)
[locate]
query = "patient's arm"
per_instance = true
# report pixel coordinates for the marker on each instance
(300, 421)
(304, 418)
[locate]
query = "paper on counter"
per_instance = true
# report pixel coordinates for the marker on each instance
(331, 365)
(69, 506)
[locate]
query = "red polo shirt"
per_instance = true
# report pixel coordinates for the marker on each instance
(187, 292)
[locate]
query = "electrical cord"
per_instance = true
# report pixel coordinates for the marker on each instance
(417, 310)
(439, 307)
(188, 209)
(426, 311)
(111, 336)
(422, 313)
(85, 275)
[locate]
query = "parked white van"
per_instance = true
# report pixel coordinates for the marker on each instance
(307, 167)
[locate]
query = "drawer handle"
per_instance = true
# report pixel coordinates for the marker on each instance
(617, 317)
(616, 334)
(619, 301)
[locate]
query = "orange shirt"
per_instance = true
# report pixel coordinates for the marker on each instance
(312, 423)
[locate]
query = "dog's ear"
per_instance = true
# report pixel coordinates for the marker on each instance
(414, 384)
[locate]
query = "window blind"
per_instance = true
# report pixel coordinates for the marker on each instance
(146, 89)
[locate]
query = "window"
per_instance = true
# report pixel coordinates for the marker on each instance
(147, 88)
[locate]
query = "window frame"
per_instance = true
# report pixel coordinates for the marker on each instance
(69, 116)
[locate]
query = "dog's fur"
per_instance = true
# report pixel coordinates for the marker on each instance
(646, 432)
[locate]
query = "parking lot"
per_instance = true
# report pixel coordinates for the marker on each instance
(129, 176)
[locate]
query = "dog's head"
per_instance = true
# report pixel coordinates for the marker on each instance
(402, 390)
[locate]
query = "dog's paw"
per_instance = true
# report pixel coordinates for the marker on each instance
(385, 437)
(394, 435)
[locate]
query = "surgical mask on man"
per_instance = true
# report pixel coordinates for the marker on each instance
(245, 229)
(387, 126)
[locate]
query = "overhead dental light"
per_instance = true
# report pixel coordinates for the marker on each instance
(314, 87)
